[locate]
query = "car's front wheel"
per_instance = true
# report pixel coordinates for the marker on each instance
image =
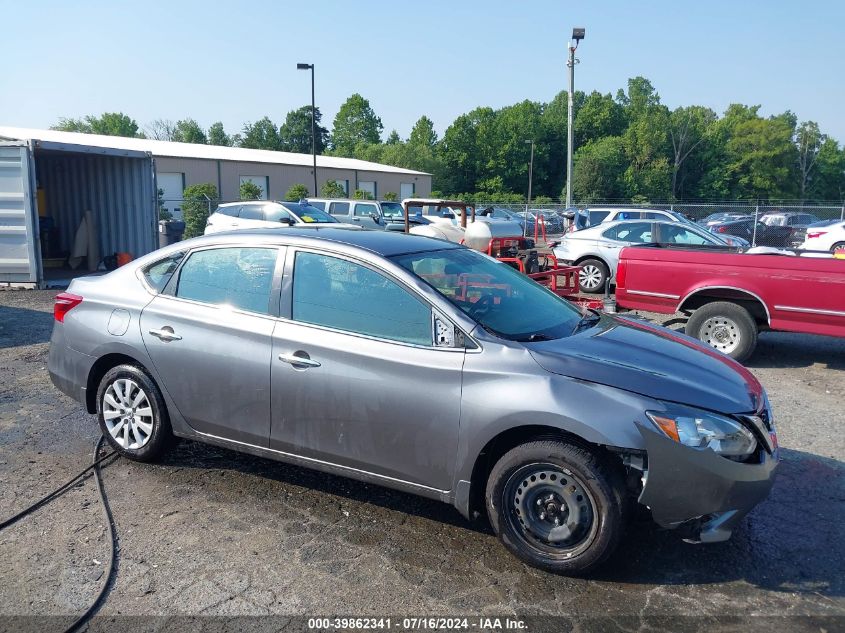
(132, 414)
(593, 276)
(556, 506)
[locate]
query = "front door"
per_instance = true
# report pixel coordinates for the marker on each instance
(209, 336)
(356, 379)
(363, 214)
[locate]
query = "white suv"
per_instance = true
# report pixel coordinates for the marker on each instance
(602, 215)
(256, 214)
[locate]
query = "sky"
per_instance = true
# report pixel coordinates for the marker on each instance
(236, 61)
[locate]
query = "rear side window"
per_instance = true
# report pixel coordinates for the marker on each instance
(158, 274)
(340, 294)
(252, 212)
(236, 277)
(597, 217)
(318, 203)
(339, 208)
(230, 211)
(635, 232)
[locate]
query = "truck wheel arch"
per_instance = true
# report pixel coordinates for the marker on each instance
(746, 298)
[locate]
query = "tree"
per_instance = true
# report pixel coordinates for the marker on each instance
(423, 134)
(262, 134)
(296, 192)
(393, 138)
(809, 140)
(598, 171)
(391, 196)
(355, 122)
(109, 123)
(295, 132)
(250, 191)
(332, 189)
(598, 116)
(189, 131)
(196, 203)
(829, 183)
(160, 129)
(688, 129)
(361, 194)
(762, 159)
(217, 135)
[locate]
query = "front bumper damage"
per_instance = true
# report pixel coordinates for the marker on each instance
(699, 492)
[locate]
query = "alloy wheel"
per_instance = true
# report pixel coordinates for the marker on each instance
(128, 414)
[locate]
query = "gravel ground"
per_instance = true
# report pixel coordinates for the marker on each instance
(210, 531)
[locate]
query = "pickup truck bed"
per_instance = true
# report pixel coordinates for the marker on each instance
(730, 295)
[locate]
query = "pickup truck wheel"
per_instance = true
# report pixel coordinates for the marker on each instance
(592, 276)
(556, 506)
(726, 326)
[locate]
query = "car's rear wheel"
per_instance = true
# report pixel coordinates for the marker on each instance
(837, 246)
(556, 506)
(726, 326)
(592, 276)
(132, 414)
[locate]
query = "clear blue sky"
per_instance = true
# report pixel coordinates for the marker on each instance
(236, 61)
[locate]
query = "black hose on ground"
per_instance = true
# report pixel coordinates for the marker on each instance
(95, 465)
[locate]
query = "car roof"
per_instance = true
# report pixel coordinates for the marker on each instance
(384, 243)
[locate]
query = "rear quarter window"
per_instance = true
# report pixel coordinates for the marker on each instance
(158, 274)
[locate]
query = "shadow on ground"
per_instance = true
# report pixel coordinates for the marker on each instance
(790, 543)
(23, 326)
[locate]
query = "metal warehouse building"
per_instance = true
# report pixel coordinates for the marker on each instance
(50, 179)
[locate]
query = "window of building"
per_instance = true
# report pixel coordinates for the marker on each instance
(369, 186)
(340, 294)
(239, 277)
(345, 185)
(263, 182)
(407, 190)
(172, 186)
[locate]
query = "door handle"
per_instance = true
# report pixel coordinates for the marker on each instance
(166, 334)
(293, 359)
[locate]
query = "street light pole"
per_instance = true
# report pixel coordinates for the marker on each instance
(313, 124)
(530, 170)
(577, 36)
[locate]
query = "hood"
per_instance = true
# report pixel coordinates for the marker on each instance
(652, 361)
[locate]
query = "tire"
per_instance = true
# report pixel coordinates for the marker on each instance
(539, 482)
(147, 434)
(593, 276)
(725, 326)
(837, 245)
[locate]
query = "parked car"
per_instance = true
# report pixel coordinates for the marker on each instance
(505, 399)
(603, 215)
(370, 214)
(596, 249)
(554, 224)
(824, 236)
(731, 296)
(723, 216)
(765, 234)
(258, 214)
(793, 219)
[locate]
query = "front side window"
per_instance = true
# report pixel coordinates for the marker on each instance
(277, 213)
(237, 277)
(159, 273)
(498, 297)
(346, 296)
(365, 210)
(392, 209)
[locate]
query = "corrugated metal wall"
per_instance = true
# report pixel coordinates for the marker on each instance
(119, 192)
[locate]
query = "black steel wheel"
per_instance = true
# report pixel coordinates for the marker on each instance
(557, 506)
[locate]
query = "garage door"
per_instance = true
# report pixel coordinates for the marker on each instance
(19, 258)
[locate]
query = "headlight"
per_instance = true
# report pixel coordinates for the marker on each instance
(702, 429)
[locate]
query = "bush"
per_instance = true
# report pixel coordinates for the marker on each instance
(333, 190)
(360, 194)
(296, 192)
(391, 196)
(196, 203)
(250, 191)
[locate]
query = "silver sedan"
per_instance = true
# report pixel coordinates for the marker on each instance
(424, 366)
(596, 249)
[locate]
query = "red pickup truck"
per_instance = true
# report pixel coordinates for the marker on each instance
(730, 296)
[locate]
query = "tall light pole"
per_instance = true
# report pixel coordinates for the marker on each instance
(530, 170)
(313, 123)
(577, 36)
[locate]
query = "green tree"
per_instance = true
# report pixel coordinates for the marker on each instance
(460, 151)
(598, 171)
(688, 131)
(762, 159)
(361, 194)
(196, 203)
(250, 191)
(109, 123)
(423, 134)
(189, 131)
(598, 116)
(391, 196)
(393, 138)
(809, 140)
(262, 134)
(355, 123)
(296, 192)
(829, 182)
(332, 189)
(217, 135)
(295, 132)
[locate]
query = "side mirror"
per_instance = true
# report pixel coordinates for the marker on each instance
(286, 220)
(376, 217)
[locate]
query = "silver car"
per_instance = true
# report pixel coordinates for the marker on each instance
(596, 249)
(424, 366)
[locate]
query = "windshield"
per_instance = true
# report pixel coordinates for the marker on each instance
(392, 209)
(501, 299)
(310, 214)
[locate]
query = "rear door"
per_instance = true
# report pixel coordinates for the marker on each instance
(209, 335)
(20, 252)
(340, 210)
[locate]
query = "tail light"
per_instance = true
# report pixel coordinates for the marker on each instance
(815, 234)
(722, 229)
(64, 303)
(621, 272)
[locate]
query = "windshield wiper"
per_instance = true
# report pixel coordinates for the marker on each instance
(534, 338)
(588, 319)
